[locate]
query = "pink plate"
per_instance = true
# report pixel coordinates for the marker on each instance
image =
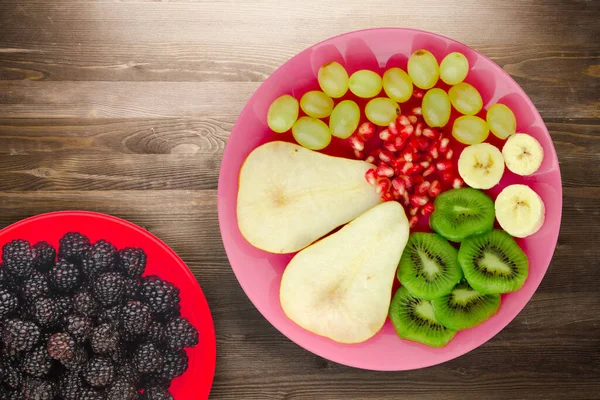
(259, 273)
(196, 382)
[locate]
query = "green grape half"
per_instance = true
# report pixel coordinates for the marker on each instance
(423, 69)
(344, 119)
(501, 120)
(470, 129)
(311, 133)
(454, 68)
(316, 104)
(282, 114)
(365, 83)
(381, 111)
(436, 108)
(333, 79)
(465, 98)
(397, 85)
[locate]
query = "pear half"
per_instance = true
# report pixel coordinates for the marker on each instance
(289, 196)
(340, 287)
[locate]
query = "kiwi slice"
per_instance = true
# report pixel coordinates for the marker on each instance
(414, 319)
(464, 307)
(493, 262)
(462, 212)
(428, 267)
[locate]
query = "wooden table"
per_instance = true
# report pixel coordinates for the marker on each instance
(124, 107)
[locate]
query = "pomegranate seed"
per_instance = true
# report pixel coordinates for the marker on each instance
(385, 135)
(434, 189)
(429, 133)
(457, 183)
(359, 154)
(425, 164)
(387, 196)
(413, 211)
(384, 170)
(419, 129)
(413, 221)
(422, 188)
(415, 169)
(393, 128)
(418, 93)
(398, 142)
(449, 154)
(418, 179)
(427, 157)
(390, 147)
(405, 199)
(371, 176)
(447, 176)
(444, 165)
(397, 195)
(406, 167)
(434, 153)
(370, 159)
(406, 180)
(398, 185)
(357, 143)
(416, 111)
(385, 156)
(444, 142)
(408, 155)
(413, 119)
(427, 209)
(407, 130)
(403, 120)
(429, 170)
(418, 200)
(423, 143)
(383, 185)
(366, 131)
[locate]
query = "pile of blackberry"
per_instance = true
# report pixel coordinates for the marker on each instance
(84, 323)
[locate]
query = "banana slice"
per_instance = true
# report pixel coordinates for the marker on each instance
(519, 210)
(481, 166)
(523, 154)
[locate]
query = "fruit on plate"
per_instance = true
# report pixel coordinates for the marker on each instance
(311, 133)
(316, 104)
(470, 129)
(428, 267)
(454, 68)
(340, 287)
(501, 120)
(289, 196)
(414, 319)
(481, 165)
(519, 210)
(397, 85)
(464, 307)
(460, 213)
(436, 108)
(493, 262)
(365, 83)
(344, 119)
(68, 342)
(381, 111)
(423, 69)
(282, 114)
(523, 154)
(333, 79)
(465, 99)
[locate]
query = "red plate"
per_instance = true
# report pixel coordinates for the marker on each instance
(162, 261)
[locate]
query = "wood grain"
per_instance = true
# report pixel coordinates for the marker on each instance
(125, 107)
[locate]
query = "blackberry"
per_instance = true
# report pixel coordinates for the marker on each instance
(37, 362)
(61, 346)
(179, 333)
(175, 364)
(136, 317)
(131, 288)
(6, 280)
(156, 333)
(65, 276)
(45, 255)
(156, 393)
(69, 386)
(19, 335)
(132, 262)
(110, 315)
(64, 305)
(160, 295)
(104, 339)
(119, 355)
(85, 304)
(98, 372)
(73, 246)
(34, 287)
(13, 377)
(44, 312)
(101, 258)
(147, 358)
(17, 257)
(108, 288)
(77, 361)
(90, 394)
(38, 389)
(121, 389)
(128, 372)
(78, 326)
(8, 302)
